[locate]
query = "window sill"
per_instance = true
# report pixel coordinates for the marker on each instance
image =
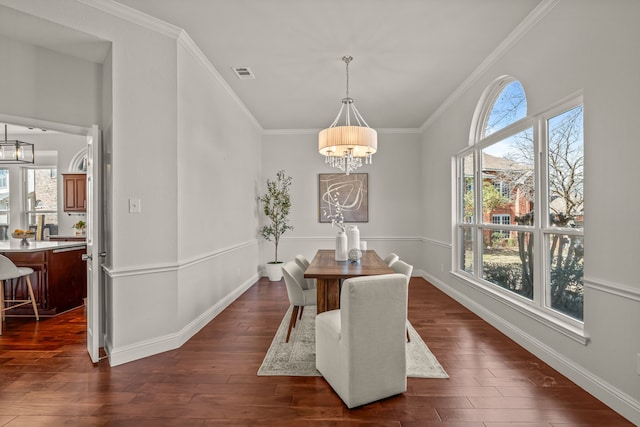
(535, 313)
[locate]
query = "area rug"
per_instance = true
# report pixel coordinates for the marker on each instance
(298, 356)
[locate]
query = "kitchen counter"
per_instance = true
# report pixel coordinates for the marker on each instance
(59, 276)
(15, 245)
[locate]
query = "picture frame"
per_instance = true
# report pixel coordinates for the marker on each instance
(350, 191)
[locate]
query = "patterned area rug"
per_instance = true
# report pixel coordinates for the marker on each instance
(298, 356)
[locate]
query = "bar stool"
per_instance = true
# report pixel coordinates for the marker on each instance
(9, 271)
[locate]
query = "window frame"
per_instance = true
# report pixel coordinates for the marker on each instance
(25, 195)
(536, 308)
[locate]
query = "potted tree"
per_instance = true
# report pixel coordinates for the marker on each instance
(276, 204)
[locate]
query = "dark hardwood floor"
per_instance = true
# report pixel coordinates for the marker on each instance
(46, 378)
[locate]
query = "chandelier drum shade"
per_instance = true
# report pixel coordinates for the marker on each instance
(345, 144)
(14, 151)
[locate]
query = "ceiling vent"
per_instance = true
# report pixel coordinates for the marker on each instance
(243, 73)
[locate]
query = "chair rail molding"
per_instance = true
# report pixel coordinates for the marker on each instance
(612, 288)
(181, 264)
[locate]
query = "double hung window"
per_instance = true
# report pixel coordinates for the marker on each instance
(516, 168)
(41, 196)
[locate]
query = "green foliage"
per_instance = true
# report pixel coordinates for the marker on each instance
(507, 276)
(492, 199)
(276, 204)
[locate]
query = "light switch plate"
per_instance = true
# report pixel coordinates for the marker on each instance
(134, 206)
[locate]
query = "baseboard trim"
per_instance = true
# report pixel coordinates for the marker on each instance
(615, 398)
(168, 342)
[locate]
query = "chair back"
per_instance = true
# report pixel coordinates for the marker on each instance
(402, 268)
(373, 313)
(391, 258)
(8, 269)
(293, 279)
(302, 262)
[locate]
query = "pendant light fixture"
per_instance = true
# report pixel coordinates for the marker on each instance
(346, 144)
(14, 151)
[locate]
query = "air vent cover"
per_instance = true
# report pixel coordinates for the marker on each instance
(243, 73)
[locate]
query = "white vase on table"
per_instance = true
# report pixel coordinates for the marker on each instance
(353, 237)
(342, 251)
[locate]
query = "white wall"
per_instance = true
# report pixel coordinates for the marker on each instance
(41, 84)
(395, 188)
(150, 264)
(219, 169)
(579, 45)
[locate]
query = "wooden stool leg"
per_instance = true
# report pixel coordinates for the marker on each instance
(33, 298)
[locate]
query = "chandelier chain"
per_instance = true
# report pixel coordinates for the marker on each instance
(347, 60)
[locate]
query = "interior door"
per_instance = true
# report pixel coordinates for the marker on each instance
(93, 256)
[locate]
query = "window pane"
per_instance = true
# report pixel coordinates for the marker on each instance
(566, 169)
(510, 263)
(509, 107)
(566, 268)
(509, 179)
(42, 190)
(468, 184)
(466, 257)
(42, 198)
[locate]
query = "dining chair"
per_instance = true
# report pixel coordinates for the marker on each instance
(299, 297)
(405, 269)
(360, 349)
(303, 263)
(8, 272)
(391, 258)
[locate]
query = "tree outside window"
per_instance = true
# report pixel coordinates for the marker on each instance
(504, 230)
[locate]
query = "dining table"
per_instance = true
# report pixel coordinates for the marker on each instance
(328, 273)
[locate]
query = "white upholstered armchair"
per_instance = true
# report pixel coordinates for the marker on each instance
(299, 296)
(361, 348)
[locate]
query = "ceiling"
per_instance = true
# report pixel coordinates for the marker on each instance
(409, 55)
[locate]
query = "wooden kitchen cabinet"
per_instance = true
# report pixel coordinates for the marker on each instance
(75, 192)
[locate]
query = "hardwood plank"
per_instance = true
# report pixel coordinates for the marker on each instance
(47, 379)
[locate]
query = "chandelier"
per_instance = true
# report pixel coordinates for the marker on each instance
(14, 151)
(346, 145)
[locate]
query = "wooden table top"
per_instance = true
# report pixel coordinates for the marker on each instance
(324, 266)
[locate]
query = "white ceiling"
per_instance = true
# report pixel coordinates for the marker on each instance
(409, 55)
(40, 32)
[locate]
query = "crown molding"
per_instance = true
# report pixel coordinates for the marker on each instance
(410, 131)
(182, 37)
(520, 31)
(192, 48)
(134, 16)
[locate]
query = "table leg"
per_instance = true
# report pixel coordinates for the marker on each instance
(327, 294)
(333, 294)
(321, 295)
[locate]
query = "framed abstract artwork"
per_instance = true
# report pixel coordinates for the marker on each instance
(351, 192)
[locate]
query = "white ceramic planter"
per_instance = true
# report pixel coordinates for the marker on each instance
(274, 271)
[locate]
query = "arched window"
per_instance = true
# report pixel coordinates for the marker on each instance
(79, 161)
(508, 106)
(515, 167)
